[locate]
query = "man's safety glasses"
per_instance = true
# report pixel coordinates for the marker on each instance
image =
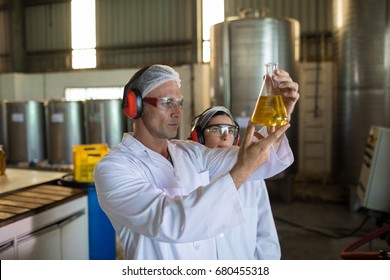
(165, 103)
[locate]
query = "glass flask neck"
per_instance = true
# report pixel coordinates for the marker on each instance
(270, 68)
(269, 85)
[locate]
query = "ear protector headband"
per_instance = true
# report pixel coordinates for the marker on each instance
(132, 97)
(197, 131)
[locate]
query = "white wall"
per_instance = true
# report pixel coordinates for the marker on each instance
(19, 86)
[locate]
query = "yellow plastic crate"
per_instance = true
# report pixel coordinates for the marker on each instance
(85, 157)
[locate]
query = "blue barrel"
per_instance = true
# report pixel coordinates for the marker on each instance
(102, 245)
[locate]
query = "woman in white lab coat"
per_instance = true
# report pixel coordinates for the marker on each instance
(172, 199)
(257, 238)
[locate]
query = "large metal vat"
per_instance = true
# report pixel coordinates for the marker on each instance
(240, 47)
(105, 122)
(26, 131)
(362, 94)
(65, 128)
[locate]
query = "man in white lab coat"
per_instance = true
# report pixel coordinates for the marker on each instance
(173, 199)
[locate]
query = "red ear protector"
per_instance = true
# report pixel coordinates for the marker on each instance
(197, 135)
(132, 97)
(197, 132)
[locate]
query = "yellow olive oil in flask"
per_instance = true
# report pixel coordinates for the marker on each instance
(270, 109)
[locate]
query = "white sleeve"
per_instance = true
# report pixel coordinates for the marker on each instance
(278, 161)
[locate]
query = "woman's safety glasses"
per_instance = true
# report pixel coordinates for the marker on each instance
(220, 129)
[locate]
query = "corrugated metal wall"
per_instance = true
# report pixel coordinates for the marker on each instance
(131, 33)
(145, 31)
(48, 36)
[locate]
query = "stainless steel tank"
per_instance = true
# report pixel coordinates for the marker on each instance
(25, 131)
(65, 128)
(105, 121)
(361, 100)
(240, 47)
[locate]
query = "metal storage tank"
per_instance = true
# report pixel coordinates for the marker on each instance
(26, 131)
(360, 48)
(65, 128)
(105, 122)
(240, 47)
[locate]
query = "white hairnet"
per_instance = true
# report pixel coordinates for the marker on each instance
(155, 76)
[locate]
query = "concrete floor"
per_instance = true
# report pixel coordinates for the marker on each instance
(317, 223)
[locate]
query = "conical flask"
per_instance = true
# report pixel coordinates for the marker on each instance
(270, 109)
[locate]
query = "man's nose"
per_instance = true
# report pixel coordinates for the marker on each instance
(177, 110)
